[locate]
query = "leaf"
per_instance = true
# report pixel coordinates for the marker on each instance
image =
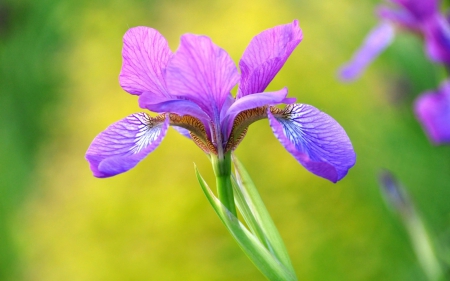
(256, 215)
(258, 254)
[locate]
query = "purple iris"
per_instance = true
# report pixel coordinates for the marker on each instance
(419, 16)
(433, 111)
(437, 39)
(190, 90)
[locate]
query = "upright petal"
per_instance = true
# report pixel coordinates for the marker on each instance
(123, 144)
(433, 112)
(377, 40)
(315, 139)
(265, 55)
(201, 72)
(145, 55)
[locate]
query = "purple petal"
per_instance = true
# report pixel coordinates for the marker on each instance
(437, 39)
(377, 40)
(253, 101)
(420, 9)
(401, 17)
(315, 139)
(171, 105)
(184, 132)
(433, 112)
(226, 105)
(145, 55)
(123, 144)
(201, 72)
(265, 55)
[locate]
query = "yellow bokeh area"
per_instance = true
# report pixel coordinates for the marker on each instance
(154, 223)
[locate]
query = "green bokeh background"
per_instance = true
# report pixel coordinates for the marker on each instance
(59, 63)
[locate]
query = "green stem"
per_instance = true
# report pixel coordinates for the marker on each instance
(222, 170)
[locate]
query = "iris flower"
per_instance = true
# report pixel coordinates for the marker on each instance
(437, 39)
(191, 91)
(418, 16)
(433, 112)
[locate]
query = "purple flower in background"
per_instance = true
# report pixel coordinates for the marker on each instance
(419, 16)
(437, 39)
(190, 90)
(375, 43)
(433, 112)
(409, 14)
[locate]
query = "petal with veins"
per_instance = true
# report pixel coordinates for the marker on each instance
(315, 139)
(265, 55)
(201, 72)
(125, 143)
(145, 55)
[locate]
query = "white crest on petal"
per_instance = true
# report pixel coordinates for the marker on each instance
(146, 132)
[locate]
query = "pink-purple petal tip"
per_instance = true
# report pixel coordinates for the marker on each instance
(265, 55)
(145, 54)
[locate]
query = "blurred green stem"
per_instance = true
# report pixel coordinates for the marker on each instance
(423, 244)
(423, 247)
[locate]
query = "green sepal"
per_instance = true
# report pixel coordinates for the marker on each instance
(256, 216)
(268, 264)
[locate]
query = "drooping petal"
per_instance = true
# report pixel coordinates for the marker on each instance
(123, 144)
(145, 55)
(377, 40)
(201, 72)
(315, 139)
(433, 112)
(253, 101)
(265, 55)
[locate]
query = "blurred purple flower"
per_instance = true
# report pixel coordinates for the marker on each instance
(419, 16)
(433, 112)
(437, 39)
(190, 89)
(377, 40)
(409, 14)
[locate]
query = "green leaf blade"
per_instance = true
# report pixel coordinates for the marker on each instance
(258, 254)
(256, 215)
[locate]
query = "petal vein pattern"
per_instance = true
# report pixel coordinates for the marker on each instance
(315, 139)
(145, 55)
(201, 72)
(265, 55)
(125, 143)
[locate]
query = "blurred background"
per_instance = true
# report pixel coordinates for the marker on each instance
(59, 66)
